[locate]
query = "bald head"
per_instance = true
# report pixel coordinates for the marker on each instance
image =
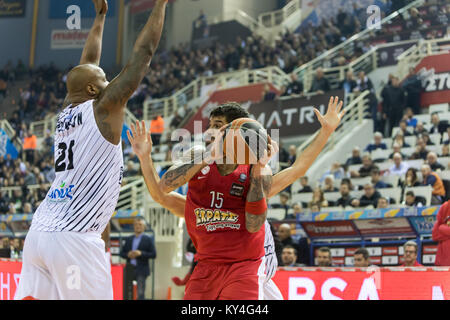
(284, 231)
(85, 82)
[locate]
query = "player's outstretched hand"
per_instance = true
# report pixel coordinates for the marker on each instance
(141, 140)
(101, 6)
(330, 121)
(272, 149)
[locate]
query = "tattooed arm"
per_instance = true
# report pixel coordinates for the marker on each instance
(260, 184)
(93, 48)
(110, 106)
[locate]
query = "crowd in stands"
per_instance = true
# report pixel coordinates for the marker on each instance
(11, 247)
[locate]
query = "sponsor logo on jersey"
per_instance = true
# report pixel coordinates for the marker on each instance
(61, 194)
(205, 170)
(237, 190)
(242, 177)
(214, 219)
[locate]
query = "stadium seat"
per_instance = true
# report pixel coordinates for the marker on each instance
(391, 179)
(411, 140)
(302, 197)
(442, 107)
(393, 193)
(424, 191)
(444, 175)
(361, 181)
(436, 138)
(380, 154)
(424, 118)
(274, 199)
(277, 214)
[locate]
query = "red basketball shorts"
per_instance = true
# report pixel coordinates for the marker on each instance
(232, 281)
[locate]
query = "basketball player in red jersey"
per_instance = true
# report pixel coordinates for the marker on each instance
(230, 264)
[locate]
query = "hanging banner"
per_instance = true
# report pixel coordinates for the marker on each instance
(12, 8)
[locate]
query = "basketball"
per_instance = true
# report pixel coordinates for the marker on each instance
(244, 141)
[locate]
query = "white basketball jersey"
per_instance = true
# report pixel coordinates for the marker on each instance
(89, 172)
(271, 257)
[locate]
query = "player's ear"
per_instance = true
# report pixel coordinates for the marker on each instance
(92, 90)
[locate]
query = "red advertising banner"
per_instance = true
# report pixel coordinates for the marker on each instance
(250, 93)
(384, 226)
(329, 228)
(138, 6)
(379, 284)
(10, 274)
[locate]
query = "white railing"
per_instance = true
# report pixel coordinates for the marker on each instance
(11, 133)
(39, 128)
(412, 57)
(132, 195)
(10, 190)
(276, 18)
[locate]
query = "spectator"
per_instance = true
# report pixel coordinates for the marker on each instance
(426, 139)
(355, 158)
(421, 150)
(295, 87)
(320, 84)
(448, 137)
(399, 138)
(432, 179)
(29, 146)
(361, 258)
(404, 128)
(176, 120)
(410, 251)
(437, 126)
(16, 250)
(289, 257)
(284, 199)
(297, 211)
(411, 179)
(445, 151)
(396, 149)
(411, 200)
(383, 203)
(138, 249)
(346, 199)
(349, 83)
(324, 257)
(305, 187)
(413, 89)
(363, 83)
(441, 234)
(419, 129)
(433, 163)
(27, 208)
(318, 199)
(409, 117)
(329, 184)
(376, 180)
(378, 143)
(365, 169)
(269, 94)
(394, 103)
(283, 154)
(284, 234)
(156, 129)
(336, 171)
(369, 198)
(315, 207)
(292, 155)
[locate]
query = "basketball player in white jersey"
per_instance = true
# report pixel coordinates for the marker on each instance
(175, 203)
(64, 255)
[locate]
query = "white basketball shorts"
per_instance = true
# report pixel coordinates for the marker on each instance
(64, 266)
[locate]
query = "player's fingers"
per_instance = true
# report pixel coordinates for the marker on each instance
(133, 130)
(339, 108)
(318, 115)
(130, 138)
(149, 138)
(341, 115)
(143, 130)
(138, 127)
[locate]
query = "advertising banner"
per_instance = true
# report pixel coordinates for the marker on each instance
(6, 146)
(372, 284)
(383, 226)
(329, 229)
(12, 8)
(387, 56)
(137, 6)
(58, 8)
(10, 276)
(68, 39)
(423, 225)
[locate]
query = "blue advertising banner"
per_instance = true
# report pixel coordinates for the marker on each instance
(12, 8)
(6, 146)
(423, 225)
(58, 8)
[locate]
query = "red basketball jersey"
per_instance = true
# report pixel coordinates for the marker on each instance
(215, 216)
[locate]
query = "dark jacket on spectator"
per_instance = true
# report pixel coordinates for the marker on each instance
(367, 201)
(320, 84)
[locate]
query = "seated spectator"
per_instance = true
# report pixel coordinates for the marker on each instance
(376, 180)
(315, 207)
(437, 126)
(346, 199)
(289, 257)
(383, 203)
(292, 154)
(419, 128)
(365, 169)
(284, 199)
(305, 187)
(445, 151)
(351, 187)
(320, 84)
(349, 84)
(318, 198)
(269, 94)
(27, 208)
(284, 234)
(355, 158)
(432, 161)
(403, 129)
(378, 143)
(432, 179)
(329, 184)
(336, 171)
(396, 149)
(409, 118)
(426, 139)
(421, 150)
(361, 258)
(410, 251)
(412, 200)
(448, 137)
(324, 258)
(369, 198)
(400, 140)
(298, 210)
(295, 87)
(411, 179)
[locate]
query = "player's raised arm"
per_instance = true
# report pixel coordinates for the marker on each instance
(109, 108)
(329, 123)
(93, 48)
(256, 204)
(141, 142)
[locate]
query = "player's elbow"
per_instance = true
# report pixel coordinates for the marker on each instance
(252, 229)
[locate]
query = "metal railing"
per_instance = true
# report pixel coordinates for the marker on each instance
(39, 128)
(132, 195)
(276, 18)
